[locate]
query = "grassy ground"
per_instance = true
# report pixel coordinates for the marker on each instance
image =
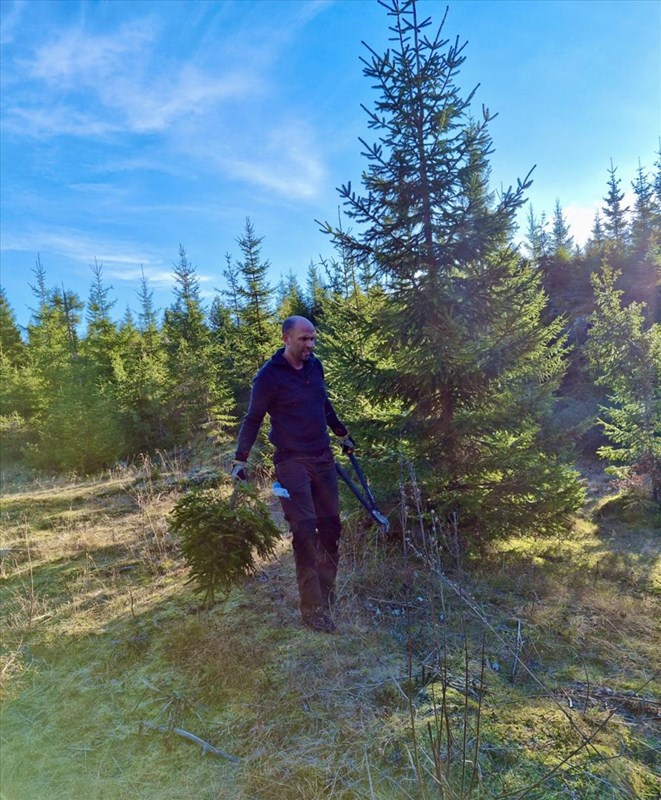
(529, 674)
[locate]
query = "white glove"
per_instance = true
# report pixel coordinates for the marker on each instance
(238, 472)
(348, 445)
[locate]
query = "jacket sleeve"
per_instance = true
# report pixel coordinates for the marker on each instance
(331, 417)
(260, 398)
(333, 422)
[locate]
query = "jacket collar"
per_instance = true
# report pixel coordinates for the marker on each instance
(279, 360)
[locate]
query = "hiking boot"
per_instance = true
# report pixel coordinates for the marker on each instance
(317, 620)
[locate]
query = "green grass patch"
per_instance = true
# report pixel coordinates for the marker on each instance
(530, 673)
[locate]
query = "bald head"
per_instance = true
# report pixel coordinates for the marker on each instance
(291, 322)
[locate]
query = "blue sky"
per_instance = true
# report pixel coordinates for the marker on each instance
(131, 127)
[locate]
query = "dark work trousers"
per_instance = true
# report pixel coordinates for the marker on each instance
(313, 514)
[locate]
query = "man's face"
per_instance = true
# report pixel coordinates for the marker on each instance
(300, 341)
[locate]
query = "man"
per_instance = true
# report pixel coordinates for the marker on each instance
(290, 388)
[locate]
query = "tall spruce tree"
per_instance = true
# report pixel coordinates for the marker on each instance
(624, 353)
(147, 316)
(561, 236)
(257, 331)
(536, 238)
(140, 378)
(615, 213)
(656, 180)
(194, 403)
(461, 347)
(645, 269)
(101, 337)
(316, 294)
(597, 238)
(646, 217)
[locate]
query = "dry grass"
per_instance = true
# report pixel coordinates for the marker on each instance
(100, 633)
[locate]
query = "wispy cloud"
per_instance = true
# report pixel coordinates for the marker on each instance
(88, 84)
(10, 19)
(125, 82)
(121, 262)
(82, 249)
(77, 57)
(288, 162)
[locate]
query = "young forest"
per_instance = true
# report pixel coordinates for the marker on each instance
(492, 366)
(486, 374)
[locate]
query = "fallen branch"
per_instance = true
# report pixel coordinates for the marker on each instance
(632, 702)
(206, 747)
(517, 652)
(400, 603)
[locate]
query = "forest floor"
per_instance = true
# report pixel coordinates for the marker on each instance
(531, 672)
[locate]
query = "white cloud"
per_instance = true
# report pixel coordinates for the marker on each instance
(10, 19)
(121, 260)
(158, 278)
(199, 109)
(288, 163)
(157, 105)
(56, 120)
(79, 247)
(79, 57)
(308, 11)
(87, 84)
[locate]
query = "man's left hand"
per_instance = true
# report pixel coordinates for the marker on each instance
(348, 445)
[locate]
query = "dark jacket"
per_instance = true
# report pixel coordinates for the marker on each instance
(298, 406)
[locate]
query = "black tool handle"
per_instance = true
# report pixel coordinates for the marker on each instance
(361, 478)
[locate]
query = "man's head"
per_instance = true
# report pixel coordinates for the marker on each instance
(299, 335)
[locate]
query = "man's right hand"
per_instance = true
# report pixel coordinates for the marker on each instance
(238, 472)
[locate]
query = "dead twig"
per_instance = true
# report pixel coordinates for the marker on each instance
(206, 747)
(519, 645)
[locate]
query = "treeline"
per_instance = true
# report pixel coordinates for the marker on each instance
(448, 350)
(627, 237)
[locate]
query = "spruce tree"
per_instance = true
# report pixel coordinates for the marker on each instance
(194, 403)
(290, 300)
(615, 214)
(223, 342)
(462, 351)
(536, 239)
(101, 337)
(624, 353)
(74, 419)
(656, 180)
(15, 406)
(147, 316)
(257, 334)
(140, 383)
(561, 236)
(232, 276)
(316, 294)
(646, 217)
(597, 238)
(12, 346)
